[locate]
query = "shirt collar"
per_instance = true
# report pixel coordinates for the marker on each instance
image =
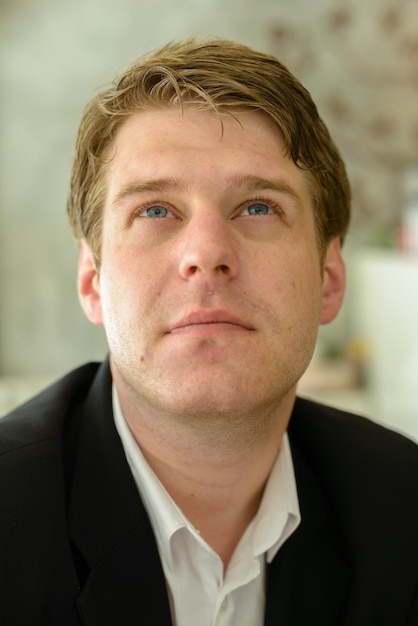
(165, 516)
(277, 518)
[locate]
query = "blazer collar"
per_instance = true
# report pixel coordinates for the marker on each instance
(108, 524)
(308, 581)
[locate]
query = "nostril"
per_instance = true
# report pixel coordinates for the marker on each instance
(224, 269)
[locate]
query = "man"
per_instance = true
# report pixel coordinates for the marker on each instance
(181, 482)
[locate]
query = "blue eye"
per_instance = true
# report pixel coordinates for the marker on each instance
(155, 211)
(258, 208)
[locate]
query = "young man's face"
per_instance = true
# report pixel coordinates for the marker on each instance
(210, 287)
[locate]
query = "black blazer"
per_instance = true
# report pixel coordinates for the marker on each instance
(76, 545)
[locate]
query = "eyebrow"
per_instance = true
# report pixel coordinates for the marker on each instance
(157, 185)
(258, 183)
(245, 183)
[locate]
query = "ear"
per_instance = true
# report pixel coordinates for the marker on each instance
(333, 284)
(89, 286)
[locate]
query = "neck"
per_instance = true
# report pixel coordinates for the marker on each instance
(215, 474)
(220, 496)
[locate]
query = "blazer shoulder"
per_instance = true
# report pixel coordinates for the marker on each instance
(356, 458)
(342, 428)
(43, 417)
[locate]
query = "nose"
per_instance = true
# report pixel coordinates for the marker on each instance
(208, 248)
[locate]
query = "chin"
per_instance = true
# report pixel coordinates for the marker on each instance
(222, 403)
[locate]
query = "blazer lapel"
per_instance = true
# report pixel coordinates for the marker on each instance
(109, 528)
(308, 580)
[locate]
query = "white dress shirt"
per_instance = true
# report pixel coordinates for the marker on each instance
(199, 591)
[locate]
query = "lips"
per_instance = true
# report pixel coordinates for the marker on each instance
(207, 318)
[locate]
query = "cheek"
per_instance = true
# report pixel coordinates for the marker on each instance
(131, 287)
(294, 272)
(301, 293)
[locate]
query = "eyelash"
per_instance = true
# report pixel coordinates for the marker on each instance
(148, 205)
(276, 208)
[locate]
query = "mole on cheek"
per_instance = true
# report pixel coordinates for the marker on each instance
(146, 356)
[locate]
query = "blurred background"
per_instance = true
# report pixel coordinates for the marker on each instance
(359, 60)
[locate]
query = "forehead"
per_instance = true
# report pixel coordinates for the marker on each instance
(191, 144)
(194, 124)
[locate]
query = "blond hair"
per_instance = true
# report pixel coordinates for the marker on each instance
(220, 75)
